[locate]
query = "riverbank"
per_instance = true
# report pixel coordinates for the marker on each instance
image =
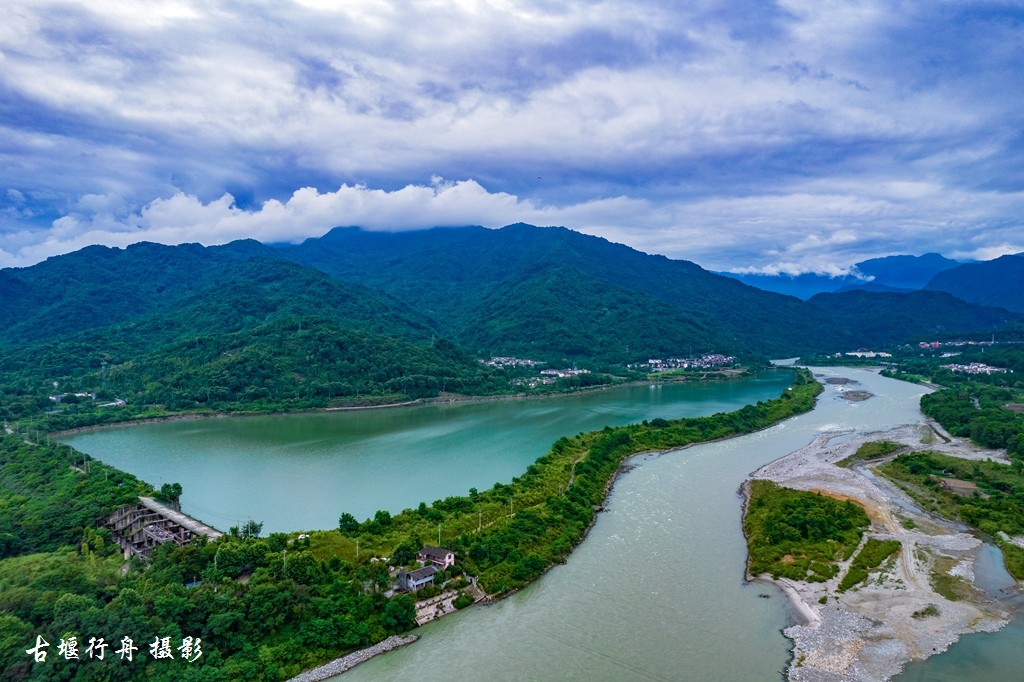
(450, 399)
(870, 632)
(349, 661)
(444, 399)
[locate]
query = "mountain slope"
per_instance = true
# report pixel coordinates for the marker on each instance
(998, 282)
(450, 273)
(252, 293)
(98, 286)
(563, 312)
(879, 318)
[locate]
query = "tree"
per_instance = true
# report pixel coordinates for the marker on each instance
(170, 493)
(399, 614)
(251, 529)
(347, 523)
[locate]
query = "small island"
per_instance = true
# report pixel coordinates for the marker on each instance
(852, 533)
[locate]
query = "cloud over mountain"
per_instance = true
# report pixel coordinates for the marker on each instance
(791, 136)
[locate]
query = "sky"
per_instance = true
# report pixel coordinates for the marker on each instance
(749, 136)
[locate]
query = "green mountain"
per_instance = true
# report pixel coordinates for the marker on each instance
(998, 282)
(880, 318)
(243, 329)
(99, 286)
(456, 274)
(564, 314)
(360, 317)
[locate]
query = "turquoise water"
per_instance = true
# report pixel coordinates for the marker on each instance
(300, 472)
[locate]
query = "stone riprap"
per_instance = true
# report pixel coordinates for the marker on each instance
(340, 665)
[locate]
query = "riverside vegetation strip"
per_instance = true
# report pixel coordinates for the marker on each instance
(264, 615)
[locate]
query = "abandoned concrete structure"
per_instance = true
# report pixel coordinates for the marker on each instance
(140, 527)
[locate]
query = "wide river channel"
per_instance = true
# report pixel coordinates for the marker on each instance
(655, 592)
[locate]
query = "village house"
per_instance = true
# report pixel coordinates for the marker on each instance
(438, 556)
(412, 581)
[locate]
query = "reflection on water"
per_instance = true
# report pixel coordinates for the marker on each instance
(302, 471)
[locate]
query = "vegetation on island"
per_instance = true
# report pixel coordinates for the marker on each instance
(798, 534)
(997, 508)
(871, 450)
(871, 555)
(267, 608)
(806, 536)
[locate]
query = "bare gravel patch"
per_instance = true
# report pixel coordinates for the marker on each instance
(870, 632)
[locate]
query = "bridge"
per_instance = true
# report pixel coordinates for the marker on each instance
(139, 528)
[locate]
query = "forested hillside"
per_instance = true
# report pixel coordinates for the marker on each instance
(454, 274)
(358, 317)
(998, 282)
(882, 318)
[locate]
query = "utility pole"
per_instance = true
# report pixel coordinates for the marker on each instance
(439, 535)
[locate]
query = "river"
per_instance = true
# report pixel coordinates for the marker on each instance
(655, 592)
(301, 471)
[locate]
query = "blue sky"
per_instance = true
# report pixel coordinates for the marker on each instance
(795, 136)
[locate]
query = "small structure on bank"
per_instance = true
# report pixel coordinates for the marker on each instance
(438, 556)
(412, 581)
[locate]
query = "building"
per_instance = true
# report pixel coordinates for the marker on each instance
(438, 556)
(140, 527)
(412, 581)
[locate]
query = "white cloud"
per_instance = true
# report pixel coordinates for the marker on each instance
(788, 137)
(794, 233)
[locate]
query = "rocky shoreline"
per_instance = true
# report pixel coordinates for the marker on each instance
(340, 665)
(870, 632)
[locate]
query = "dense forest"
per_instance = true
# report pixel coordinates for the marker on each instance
(363, 318)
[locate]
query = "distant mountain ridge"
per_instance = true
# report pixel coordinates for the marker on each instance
(884, 318)
(998, 282)
(362, 316)
(901, 272)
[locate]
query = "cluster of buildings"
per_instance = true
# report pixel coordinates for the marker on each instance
(433, 560)
(707, 361)
(61, 396)
(932, 345)
(548, 376)
(501, 362)
(865, 353)
(975, 368)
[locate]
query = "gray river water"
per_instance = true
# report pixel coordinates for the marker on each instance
(656, 591)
